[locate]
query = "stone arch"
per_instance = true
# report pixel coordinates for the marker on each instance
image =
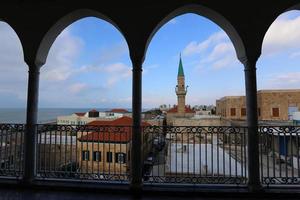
(275, 17)
(211, 15)
(61, 24)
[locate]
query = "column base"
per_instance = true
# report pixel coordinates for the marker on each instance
(255, 188)
(136, 189)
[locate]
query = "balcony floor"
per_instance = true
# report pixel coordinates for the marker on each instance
(40, 194)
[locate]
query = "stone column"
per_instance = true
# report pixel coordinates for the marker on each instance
(136, 148)
(31, 122)
(252, 123)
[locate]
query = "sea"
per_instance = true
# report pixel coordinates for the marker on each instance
(45, 115)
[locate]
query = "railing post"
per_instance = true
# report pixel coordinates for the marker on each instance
(136, 149)
(252, 123)
(31, 122)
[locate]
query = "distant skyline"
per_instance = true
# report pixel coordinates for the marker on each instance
(89, 65)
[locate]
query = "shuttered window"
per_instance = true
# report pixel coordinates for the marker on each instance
(275, 112)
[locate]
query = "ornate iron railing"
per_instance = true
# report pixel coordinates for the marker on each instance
(279, 155)
(11, 150)
(171, 154)
(83, 152)
(196, 155)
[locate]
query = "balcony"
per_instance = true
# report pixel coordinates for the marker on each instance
(172, 156)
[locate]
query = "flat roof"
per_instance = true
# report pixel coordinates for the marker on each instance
(202, 159)
(278, 90)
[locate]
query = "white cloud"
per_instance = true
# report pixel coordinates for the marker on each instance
(115, 72)
(295, 55)
(197, 47)
(13, 69)
(283, 80)
(77, 87)
(112, 53)
(216, 52)
(283, 35)
(148, 68)
(59, 65)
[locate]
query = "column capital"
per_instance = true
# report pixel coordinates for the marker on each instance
(33, 66)
(249, 63)
(137, 63)
(137, 56)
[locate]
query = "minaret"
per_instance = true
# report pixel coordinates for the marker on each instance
(180, 89)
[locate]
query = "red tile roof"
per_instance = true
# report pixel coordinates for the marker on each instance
(93, 110)
(187, 110)
(123, 135)
(121, 132)
(119, 110)
(80, 114)
(99, 123)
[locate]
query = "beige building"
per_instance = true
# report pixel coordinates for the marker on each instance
(272, 105)
(106, 152)
(232, 107)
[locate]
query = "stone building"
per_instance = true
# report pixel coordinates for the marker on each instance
(106, 150)
(83, 118)
(181, 109)
(278, 105)
(232, 107)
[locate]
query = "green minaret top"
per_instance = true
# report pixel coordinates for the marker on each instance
(180, 68)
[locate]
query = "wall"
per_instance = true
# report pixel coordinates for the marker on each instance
(266, 101)
(103, 167)
(281, 99)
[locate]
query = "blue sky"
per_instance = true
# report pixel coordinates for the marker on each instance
(89, 66)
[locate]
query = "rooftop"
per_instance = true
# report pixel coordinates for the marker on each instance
(80, 114)
(119, 110)
(120, 130)
(187, 110)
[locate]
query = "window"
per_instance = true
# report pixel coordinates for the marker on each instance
(232, 111)
(243, 112)
(97, 156)
(275, 112)
(258, 110)
(120, 157)
(85, 155)
(108, 156)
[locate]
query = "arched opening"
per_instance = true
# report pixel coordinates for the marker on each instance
(278, 78)
(208, 64)
(86, 82)
(13, 99)
(91, 60)
(13, 77)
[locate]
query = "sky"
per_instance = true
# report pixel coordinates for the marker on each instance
(89, 66)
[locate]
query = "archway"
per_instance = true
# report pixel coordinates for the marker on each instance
(13, 77)
(279, 97)
(209, 65)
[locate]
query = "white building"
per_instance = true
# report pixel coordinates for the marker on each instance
(92, 115)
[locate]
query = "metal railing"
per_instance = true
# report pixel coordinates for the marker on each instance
(11, 150)
(279, 155)
(83, 152)
(171, 154)
(195, 155)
